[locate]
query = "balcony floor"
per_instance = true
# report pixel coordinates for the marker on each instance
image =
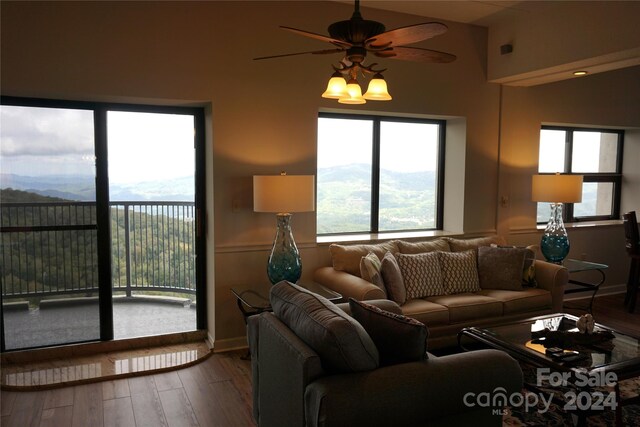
(67, 323)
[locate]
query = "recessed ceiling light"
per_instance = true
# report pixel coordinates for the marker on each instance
(580, 73)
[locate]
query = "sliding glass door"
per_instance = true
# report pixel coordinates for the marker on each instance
(100, 208)
(49, 253)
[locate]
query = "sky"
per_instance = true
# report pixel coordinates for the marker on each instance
(52, 141)
(352, 140)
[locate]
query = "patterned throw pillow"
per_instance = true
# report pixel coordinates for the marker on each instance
(459, 271)
(399, 339)
(370, 266)
(392, 278)
(421, 274)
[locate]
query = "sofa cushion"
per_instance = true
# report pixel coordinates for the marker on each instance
(421, 274)
(500, 267)
(464, 307)
(459, 245)
(370, 266)
(426, 312)
(347, 257)
(459, 271)
(398, 338)
(341, 342)
(392, 278)
(421, 247)
(514, 302)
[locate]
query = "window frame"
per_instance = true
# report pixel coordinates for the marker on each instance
(375, 169)
(613, 177)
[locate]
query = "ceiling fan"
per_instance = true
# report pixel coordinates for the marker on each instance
(358, 37)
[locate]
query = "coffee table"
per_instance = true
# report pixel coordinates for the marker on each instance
(605, 363)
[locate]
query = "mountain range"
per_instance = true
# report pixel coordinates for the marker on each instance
(82, 188)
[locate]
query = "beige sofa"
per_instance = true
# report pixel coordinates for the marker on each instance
(445, 315)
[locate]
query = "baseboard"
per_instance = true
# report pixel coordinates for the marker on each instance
(607, 290)
(229, 344)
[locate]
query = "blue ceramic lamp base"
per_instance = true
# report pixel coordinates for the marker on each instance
(555, 242)
(284, 261)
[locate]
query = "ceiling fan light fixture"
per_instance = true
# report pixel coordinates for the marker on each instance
(354, 94)
(377, 89)
(336, 88)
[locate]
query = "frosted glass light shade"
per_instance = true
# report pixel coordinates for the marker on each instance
(355, 94)
(336, 88)
(556, 188)
(283, 193)
(377, 89)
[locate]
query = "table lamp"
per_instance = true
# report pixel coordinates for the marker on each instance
(556, 189)
(284, 194)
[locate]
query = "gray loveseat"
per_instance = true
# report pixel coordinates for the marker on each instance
(447, 314)
(293, 385)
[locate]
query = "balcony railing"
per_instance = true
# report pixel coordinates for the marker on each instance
(51, 248)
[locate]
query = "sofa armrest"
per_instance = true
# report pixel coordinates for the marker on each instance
(417, 393)
(282, 366)
(553, 278)
(347, 284)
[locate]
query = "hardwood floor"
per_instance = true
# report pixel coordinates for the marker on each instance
(609, 310)
(216, 392)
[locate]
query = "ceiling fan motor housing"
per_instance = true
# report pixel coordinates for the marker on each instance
(355, 31)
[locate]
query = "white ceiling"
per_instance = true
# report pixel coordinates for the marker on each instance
(478, 12)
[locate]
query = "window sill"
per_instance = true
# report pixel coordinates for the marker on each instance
(586, 224)
(375, 237)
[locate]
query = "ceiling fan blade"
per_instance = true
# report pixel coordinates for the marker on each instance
(406, 35)
(314, 52)
(320, 37)
(416, 54)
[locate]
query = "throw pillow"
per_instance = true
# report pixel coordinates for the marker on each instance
(459, 245)
(341, 342)
(421, 274)
(399, 339)
(422, 247)
(500, 268)
(392, 278)
(370, 266)
(529, 267)
(347, 257)
(459, 271)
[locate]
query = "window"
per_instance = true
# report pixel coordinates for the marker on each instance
(379, 174)
(594, 153)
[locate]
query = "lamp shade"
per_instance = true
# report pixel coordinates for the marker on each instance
(556, 188)
(354, 94)
(336, 88)
(283, 193)
(377, 89)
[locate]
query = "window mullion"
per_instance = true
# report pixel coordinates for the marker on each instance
(375, 177)
(567, 212)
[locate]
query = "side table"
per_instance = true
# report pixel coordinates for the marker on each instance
(251, 302)
(577, 266)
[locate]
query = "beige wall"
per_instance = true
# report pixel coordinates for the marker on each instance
(551, 39)
(263, 113)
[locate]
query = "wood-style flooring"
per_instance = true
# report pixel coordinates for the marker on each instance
(216, 392)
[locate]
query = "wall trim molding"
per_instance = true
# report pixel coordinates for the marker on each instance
(605, 290)
(229, 344)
